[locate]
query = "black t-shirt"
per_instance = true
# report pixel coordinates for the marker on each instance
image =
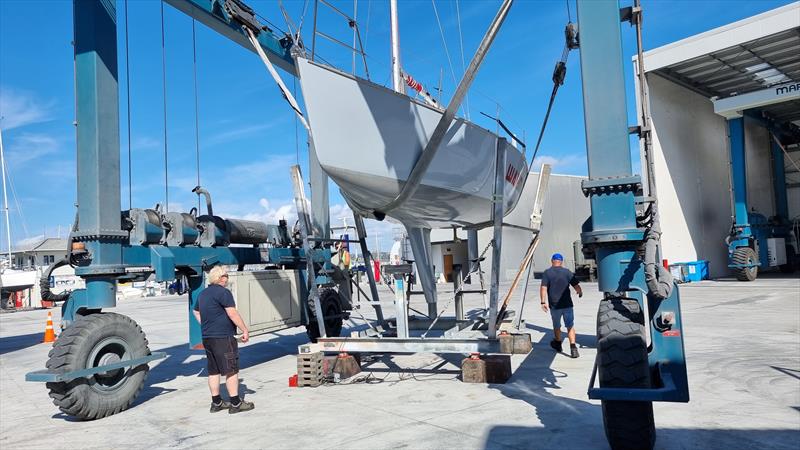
(214, 321)
(558, 281)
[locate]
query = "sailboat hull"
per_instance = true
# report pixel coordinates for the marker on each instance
(368, 138)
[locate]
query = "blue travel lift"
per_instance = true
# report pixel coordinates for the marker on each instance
(98, 365)
(640, 299)
(748, 239)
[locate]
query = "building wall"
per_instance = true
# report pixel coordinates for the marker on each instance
(692, 164)
(758, 156)
(692, 167)
(565, 211)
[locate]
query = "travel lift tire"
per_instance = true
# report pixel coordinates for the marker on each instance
(332, 314)
(95, 340)
(745, 256)
(622, 362)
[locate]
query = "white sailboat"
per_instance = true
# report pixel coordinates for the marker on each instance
(11, 280)
(369, 140)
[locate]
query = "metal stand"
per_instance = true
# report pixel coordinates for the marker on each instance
(454, 334)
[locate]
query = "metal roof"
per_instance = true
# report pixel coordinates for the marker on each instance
(747, 67)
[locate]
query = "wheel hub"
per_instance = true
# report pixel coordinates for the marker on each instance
(108, 351)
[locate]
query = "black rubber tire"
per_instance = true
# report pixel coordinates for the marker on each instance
(622, 362)
(332, 310)
(103, 394)
(745, 255)
(790, 257)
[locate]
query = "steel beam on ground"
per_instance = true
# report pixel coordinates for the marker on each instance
(407, 346)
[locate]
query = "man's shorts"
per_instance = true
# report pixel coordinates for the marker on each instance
(566, 313)
(222, 354)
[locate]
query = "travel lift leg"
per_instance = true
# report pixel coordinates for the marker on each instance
(631, 374)
(742, 247)
(108, 349)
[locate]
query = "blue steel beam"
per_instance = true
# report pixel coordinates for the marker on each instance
(738, 177)
(97, 117)
(212, 14)
(611, 187)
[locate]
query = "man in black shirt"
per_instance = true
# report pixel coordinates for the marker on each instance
(216, 312)
(555, 296)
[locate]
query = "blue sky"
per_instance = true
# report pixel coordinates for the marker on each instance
(247, 134)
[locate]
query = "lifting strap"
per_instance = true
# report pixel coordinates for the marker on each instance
(284, 90)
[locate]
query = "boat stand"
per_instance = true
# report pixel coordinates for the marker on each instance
(409, 334)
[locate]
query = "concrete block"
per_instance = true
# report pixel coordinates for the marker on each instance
(522, 344)
(486, 369)
(345, 365)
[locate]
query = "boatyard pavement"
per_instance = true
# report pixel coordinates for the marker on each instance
(743, 355)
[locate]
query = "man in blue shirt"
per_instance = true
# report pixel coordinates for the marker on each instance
(216, 312)
(555, 296)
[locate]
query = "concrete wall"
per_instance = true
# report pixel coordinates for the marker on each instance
(692, 165)
(760, 192)
(565, 211)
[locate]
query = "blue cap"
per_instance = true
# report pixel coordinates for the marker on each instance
(557, 257)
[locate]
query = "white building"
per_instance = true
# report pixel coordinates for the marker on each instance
(749, 68)
(40, 253)
(565, 211)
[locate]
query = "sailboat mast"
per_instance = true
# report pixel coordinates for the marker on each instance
(5, 197)
(397, 73)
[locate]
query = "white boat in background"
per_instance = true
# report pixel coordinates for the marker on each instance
(368, 138)
(13, 280)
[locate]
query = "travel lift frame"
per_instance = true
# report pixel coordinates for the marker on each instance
(97, 367)
(747, 241)
(103, 251)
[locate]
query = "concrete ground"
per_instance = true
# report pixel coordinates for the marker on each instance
(742, 342)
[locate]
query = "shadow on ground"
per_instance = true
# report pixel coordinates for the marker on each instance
(175, 365)
(13, 343)
(566, 423)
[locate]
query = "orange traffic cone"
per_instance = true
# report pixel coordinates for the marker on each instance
(49, 333)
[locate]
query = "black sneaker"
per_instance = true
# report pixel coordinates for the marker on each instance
(573, 351)
(217, 407)
(556, 345)
(242, 406)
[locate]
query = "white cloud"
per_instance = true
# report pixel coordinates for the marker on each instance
(19, 108)
(236, 133)
(144, 143)
(270, 214)
(566, 162)
(31, 146)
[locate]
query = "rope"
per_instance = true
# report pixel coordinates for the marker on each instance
(164, 85)
(16, 200)
(128, 104)
(444, 42)
(569, 13)
(463, 65)
(196, 108)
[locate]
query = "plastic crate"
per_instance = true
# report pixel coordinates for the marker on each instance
(696, 270)
(678, 272)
